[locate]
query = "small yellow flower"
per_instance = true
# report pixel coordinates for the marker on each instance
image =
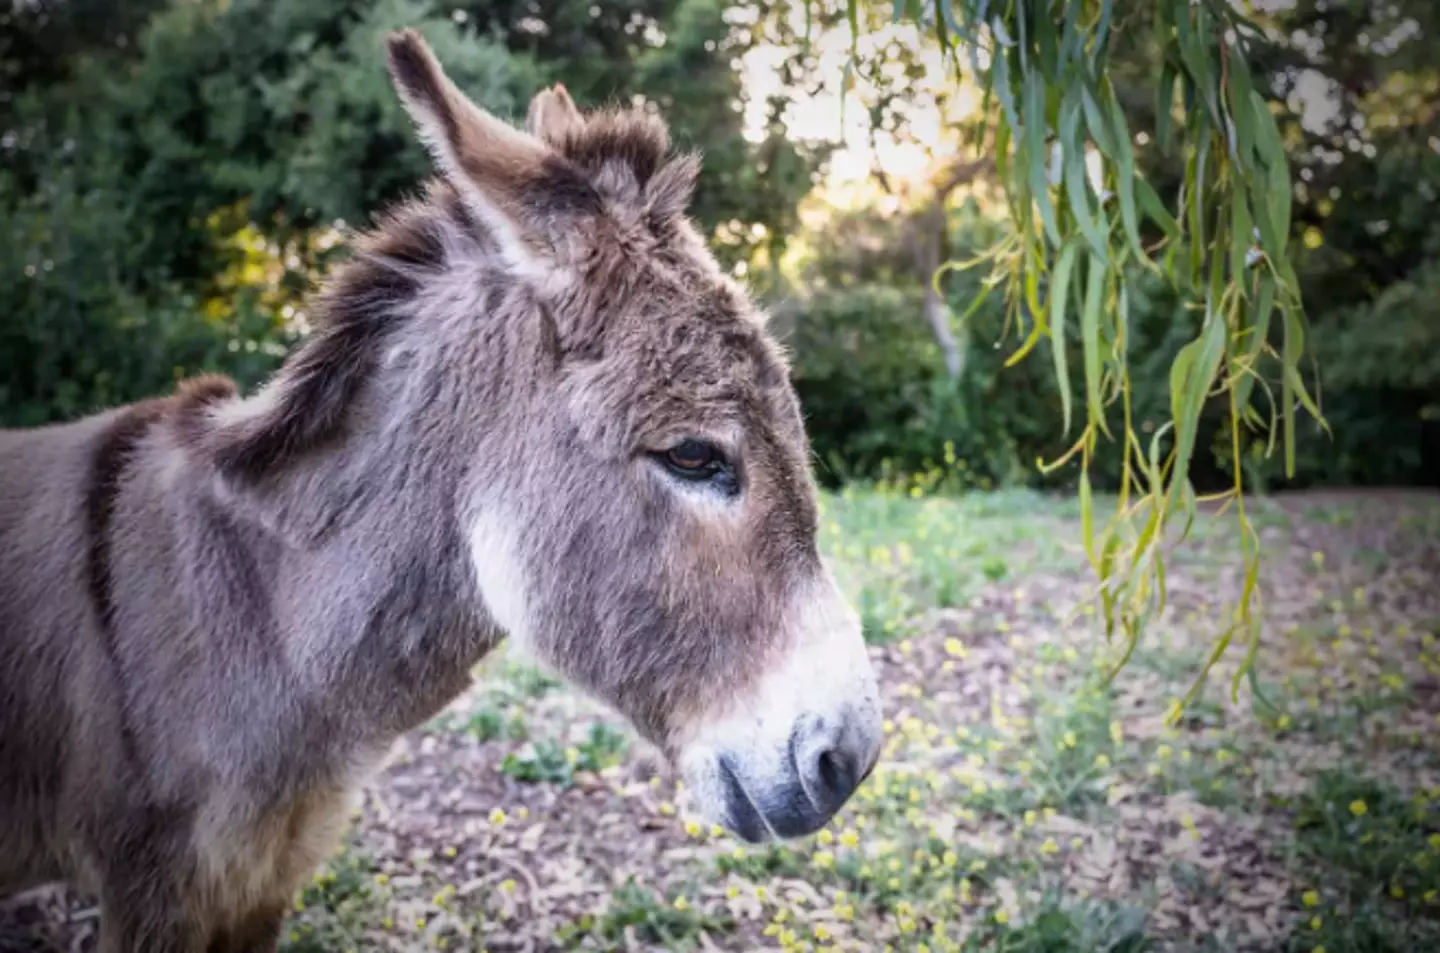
(1397, 891)
(955, 648)
(1001, 917)
(848, 838)
(1311, 898)
(1030, 818)
(1358, 808)
(823, 859)
(1049, 847)
(681, 903)
(1102, 761)
(497, 817)
(507, 885)
(826, 836)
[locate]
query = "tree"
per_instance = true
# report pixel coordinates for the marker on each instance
(204, 163)
(1077, 243)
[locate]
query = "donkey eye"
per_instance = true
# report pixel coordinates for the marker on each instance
(693, 459)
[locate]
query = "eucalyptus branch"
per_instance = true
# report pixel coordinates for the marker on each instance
(1078, 245)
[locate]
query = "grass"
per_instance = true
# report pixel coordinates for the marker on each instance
(1023, 803)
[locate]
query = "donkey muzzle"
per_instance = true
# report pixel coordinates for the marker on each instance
(825, 763)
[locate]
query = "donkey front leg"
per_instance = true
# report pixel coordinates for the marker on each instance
(160, 921)
(144, 921)
(146, 888)
(256, 932)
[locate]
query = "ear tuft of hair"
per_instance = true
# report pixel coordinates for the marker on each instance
(207, 389)
(416, 73)
(668, 194)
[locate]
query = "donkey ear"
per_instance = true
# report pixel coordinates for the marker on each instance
(553, 116)
(669, 191)
(490, 162)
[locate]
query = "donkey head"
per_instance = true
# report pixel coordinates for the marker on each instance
(637, 503)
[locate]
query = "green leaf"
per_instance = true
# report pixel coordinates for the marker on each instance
(1190, 378)
(1000, 78)
(1102, 33)
(1035, 146)
(1090, 340)
(1077, 188)
(1259, 330)
(1275, 191)
(1059, 291)
(1164, 103)
(1242, 113)
(1072, 41)
(1098, 122)
(1125, 174)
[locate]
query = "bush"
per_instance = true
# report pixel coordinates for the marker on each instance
(76, 337)
(879, 405)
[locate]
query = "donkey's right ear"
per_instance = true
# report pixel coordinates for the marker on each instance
(491, 163)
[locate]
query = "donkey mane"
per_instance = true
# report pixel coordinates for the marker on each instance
(362, 302)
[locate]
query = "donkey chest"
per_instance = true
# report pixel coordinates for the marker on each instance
(251, 854)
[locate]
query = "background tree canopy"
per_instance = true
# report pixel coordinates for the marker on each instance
(177, 175)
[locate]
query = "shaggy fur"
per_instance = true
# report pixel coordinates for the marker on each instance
(216, 615)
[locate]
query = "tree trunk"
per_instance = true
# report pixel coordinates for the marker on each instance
(929, 248)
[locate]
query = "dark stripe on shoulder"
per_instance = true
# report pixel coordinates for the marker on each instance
(107, 474)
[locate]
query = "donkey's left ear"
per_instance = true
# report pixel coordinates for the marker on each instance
(491, 163)
(553, 116)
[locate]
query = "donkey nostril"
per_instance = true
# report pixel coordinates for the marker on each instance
(832, 778)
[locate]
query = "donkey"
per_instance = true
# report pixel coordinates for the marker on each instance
(533, 407)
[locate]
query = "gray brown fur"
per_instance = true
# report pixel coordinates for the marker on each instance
(215, 616)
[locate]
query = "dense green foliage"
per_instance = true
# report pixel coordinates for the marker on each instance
(172, 172)
(1363, 246)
